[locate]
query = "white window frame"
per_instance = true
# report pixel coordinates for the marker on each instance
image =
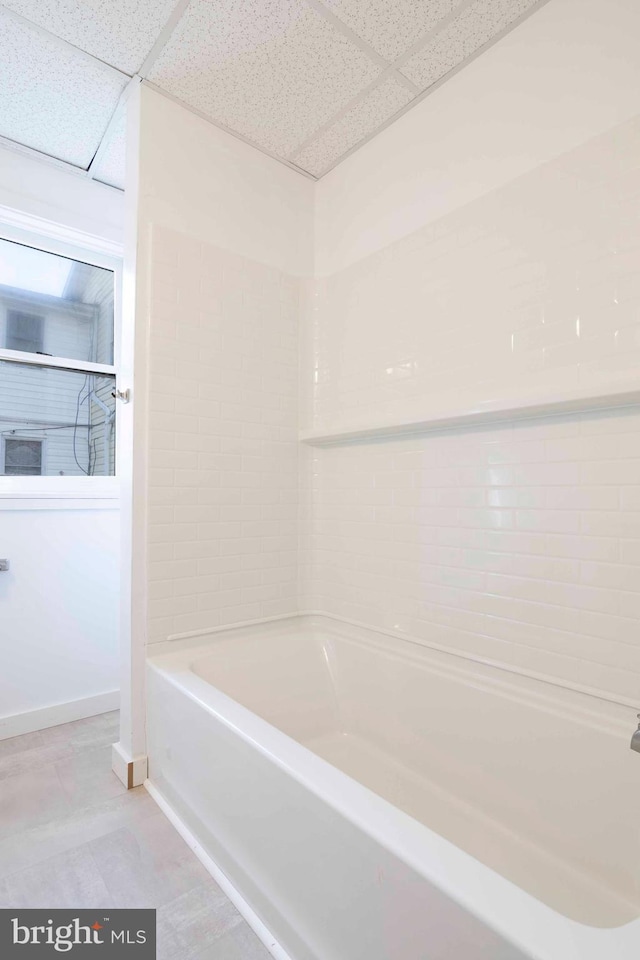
(43, 235)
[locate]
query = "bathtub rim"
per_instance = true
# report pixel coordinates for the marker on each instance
(530, 925)
(611, 715)
(205, 636)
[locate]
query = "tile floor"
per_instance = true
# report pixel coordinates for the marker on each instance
(72, 836)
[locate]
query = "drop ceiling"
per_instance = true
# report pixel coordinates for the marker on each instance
(306, 81)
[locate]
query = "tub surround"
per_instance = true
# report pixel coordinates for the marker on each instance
(242, 522)
(484, 413)
(470, 467)
(223, 484)
(457, 348)
(218, 274)
(514, 543)
(526, 297)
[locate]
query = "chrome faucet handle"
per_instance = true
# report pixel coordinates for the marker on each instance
(635, 739)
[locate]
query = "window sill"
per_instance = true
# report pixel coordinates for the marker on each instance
(59, 488)
(27, 504)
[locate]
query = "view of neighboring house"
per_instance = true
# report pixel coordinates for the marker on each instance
(54, 421)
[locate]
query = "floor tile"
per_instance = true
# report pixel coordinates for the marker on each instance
(148, 865)
(86, 776)
(20, 744)
(35, 758)
(65, 880)
(100, 731)
(72, 836)
(30, 798)
(30, 846)
(240, 943)
(204, 915)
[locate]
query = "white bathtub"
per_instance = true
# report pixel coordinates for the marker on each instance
(374, 799)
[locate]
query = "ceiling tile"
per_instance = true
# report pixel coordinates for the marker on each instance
(360, 121)
(468, 31)
(120, 32)
(391, 26)
(110, 167)
(53, 98)
(273, 72)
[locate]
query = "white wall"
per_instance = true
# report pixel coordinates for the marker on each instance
(59, 604)
(58, 196)
(484, 249)
(59, 608)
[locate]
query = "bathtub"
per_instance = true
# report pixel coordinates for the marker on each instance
(372, 798)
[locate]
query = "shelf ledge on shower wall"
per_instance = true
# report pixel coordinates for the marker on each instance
(488, 412)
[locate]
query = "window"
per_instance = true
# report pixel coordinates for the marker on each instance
(24, 332)
(22, 458)
(60, 311)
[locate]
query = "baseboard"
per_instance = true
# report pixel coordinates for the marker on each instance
(247, 912)
(58, 713)
(131, 771)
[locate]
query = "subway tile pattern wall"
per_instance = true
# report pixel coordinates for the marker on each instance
(518, 544)
(223, 423)
(533, 287)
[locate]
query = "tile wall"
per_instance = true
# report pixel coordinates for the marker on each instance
(534, 287)
(517, 543)
(223, 424)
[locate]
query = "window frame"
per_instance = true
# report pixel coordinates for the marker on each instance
(99, 253)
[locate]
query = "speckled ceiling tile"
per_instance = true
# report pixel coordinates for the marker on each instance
(111, 165)
(357, 123)
(472, 28)
(52, 98)
(391, 26)
(274, 72)
(120, 32)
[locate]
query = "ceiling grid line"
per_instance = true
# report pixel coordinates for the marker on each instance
(93, 167)
(430, 35)
(229, 130)
(389, 73)
(146, 65)
(351, 35)
(438, 83)
(395, 67)
(7, 144)
(61, 42)
(392, 70)
(176, 15)
(306, 82)
(468, 58)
